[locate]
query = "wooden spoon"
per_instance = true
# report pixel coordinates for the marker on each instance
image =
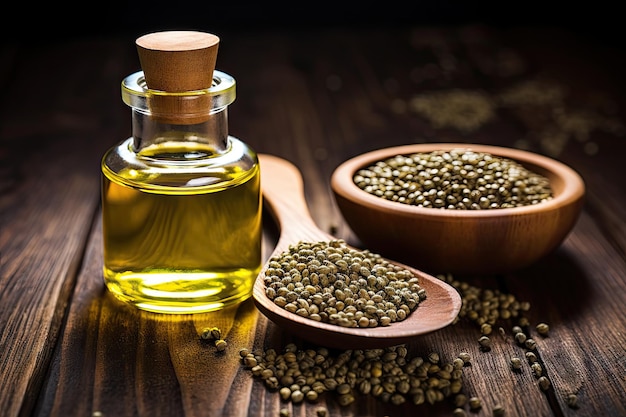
(283, 192)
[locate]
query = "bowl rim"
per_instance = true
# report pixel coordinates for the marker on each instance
(343, 185)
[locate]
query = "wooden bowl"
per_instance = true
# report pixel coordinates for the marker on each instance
(461, 241)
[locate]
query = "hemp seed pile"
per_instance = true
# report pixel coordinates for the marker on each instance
(390, 374)
(332, 283)
(458, 179)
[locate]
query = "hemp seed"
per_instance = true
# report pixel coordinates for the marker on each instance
(542, 329)
(485, 342)
(458, 179)
(572, 401)
(498, 411)
(531, 357)
(220, 345)
(459, 412)
(321, 412)
(475, 403)
(333, 283)
(544, 383)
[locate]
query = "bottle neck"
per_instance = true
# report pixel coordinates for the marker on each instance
(181, 124)
(156, 136)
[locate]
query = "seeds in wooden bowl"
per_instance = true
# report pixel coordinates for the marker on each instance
(458, 179)
(332, 283)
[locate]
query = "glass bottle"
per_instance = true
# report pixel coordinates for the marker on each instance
(181, 201)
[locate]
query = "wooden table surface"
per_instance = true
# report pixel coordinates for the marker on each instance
(316, 98)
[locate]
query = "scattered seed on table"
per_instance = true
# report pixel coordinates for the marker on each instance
(211, 333)
(465, 357)
(346, 399)
(486, 305)
(220, 345)
(516, 363)
(285, 393)
(388, 374)
(321, 412)
(250, 361)
(422, 379)
(458, 363)
(311, 396)
(459, 412)
(530, 344)
(297, 396)
(502, 332)
(498, 410)
(542, 329)
(475, 403)
(460, 400)
(571, 400)
(485, 342)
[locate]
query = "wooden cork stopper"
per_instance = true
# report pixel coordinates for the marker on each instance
(174, 62)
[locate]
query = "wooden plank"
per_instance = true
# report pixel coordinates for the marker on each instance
(50, 193)
(578, 292)
(44, 229)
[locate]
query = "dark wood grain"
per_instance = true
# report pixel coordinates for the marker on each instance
(316, 98)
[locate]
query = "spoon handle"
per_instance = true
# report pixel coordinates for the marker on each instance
(283, 191)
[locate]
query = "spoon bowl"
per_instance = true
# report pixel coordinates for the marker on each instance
(283, 192)
(461, 241)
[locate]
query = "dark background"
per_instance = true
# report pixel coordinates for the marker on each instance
(50, 21)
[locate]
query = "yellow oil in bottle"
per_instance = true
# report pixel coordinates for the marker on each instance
(181, 240)
(181, 200)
